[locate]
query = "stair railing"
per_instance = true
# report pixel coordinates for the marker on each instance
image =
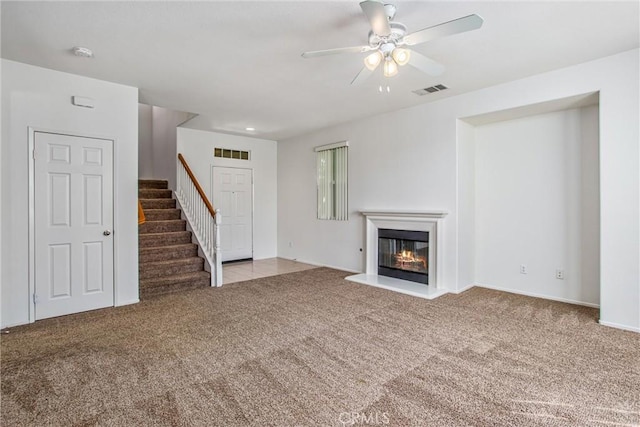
(202, 218)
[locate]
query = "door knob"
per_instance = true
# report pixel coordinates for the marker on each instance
(106, 232)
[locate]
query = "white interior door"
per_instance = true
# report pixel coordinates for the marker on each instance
(233, 195)
(73, 218)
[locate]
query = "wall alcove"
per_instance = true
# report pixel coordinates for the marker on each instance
(529, 200)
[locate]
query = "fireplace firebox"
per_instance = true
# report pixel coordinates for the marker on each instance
(404, 254)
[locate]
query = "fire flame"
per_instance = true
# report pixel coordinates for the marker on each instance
(408, 257)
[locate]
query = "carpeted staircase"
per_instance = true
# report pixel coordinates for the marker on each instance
(169, 262)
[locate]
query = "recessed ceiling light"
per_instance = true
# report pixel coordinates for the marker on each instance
(250, 129)
(84, 52)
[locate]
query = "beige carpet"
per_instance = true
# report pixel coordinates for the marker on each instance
(309, 348)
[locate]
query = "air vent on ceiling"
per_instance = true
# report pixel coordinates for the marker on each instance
(430, 89)
(231, 154)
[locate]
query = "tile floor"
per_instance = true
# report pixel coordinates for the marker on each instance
(241, 271)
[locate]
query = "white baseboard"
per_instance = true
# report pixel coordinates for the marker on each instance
(258, 258)
(459, 291)
(13, 325)
(619, 326)
(535, 295)
(321, 265)
(129, 302)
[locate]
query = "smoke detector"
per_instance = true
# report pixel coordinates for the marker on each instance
(84, 52)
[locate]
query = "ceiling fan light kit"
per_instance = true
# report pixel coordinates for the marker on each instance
(387, 40)
(401, 56)
(390, 68)
(373, 60)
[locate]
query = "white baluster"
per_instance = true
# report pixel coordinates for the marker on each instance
(206, 227)
(217, 250)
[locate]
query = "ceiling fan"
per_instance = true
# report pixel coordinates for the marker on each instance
(387, 41)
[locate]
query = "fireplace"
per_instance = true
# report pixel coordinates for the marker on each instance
(404, 254)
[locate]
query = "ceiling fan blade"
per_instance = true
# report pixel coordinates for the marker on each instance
(460, 25)
(426, 65)
(377, 17)
(362, 76)
(353, 49)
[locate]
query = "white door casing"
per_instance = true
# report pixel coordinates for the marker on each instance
(73, 220)
(233, 195)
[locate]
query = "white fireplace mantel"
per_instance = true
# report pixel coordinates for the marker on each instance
(404, 214)
(413, 220)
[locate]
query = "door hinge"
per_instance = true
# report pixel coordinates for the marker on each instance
(35, 298)
(33, 154)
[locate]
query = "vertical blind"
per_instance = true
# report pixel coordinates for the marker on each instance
(332, 163)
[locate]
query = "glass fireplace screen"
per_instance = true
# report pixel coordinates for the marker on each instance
(404, 255)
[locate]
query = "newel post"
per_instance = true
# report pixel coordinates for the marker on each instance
(217, 249)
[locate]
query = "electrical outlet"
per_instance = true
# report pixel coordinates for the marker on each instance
(523, 269)
(560, 274)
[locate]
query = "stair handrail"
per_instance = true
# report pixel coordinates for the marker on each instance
(197, 184)
(203, 219)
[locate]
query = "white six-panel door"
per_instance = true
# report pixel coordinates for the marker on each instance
(73, 220)
(233, 195)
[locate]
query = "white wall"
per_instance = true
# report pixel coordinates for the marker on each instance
(590, 199)
(534, 177)
(157, 138)
(197, 147)
(41, 98)
(466, 200)
(407, 159)
(164, 140)
(1, 189)
(393, 163)
(145, 141)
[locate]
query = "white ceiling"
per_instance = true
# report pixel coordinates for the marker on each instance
(238, 63)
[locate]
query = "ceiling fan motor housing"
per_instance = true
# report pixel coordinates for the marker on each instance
(387, 48)
(398, 31)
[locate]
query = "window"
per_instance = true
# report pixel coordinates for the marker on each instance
(231, 154)
(332, 181)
